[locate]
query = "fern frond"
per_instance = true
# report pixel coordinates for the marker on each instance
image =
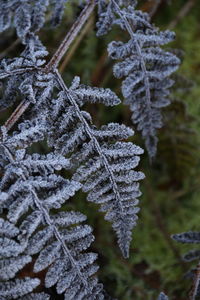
(146, 67)
(56, 238)
(104, 165)
(191, 237)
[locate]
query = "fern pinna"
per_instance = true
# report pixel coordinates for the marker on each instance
(29, 15)
(145, 66)
(162, 296)
(191, 237)
(33, 191)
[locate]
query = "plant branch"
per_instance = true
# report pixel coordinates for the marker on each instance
(183, 12)
(5, 74)
(154, 8)
(21, 108)
(50, 223)
(151, 7)
(76, 44)
(71, 35)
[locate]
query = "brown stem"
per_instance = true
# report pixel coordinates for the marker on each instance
(151, 7)
(154, 8)
(183, 12)
(75, 45)
(22, 107)
(71, 35)
(16, 114)
(5, 74)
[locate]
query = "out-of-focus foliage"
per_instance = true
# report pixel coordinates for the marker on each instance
(171, 193)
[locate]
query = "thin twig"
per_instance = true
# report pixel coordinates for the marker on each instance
(155, 8)
(75, 45)
(21, 108)
(183, 12)
(71, 35)
(151, 7)
(5, 74)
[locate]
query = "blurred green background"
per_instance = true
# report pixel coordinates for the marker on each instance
(171, 200)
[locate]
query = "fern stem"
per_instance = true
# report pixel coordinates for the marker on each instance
(21, 108)
(71, 35)
(57, 235)
(138, 49)
(49, 222)
(93, 139)
(154, 9)
(6, 74)
(183, 12)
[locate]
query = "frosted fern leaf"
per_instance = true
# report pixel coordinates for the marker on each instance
(11, 252)
(10, 266)
(29, 16)
(36, 296)
(9, 246)
(58, 10)
(85, 94)
(162, 296)
(145, 66)
(8, 229)
(19, 287)
(104, 165)
(107, 14)
(16, 75)
(57, 239)
(192, 255)
(28, 132)
(190, 237)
